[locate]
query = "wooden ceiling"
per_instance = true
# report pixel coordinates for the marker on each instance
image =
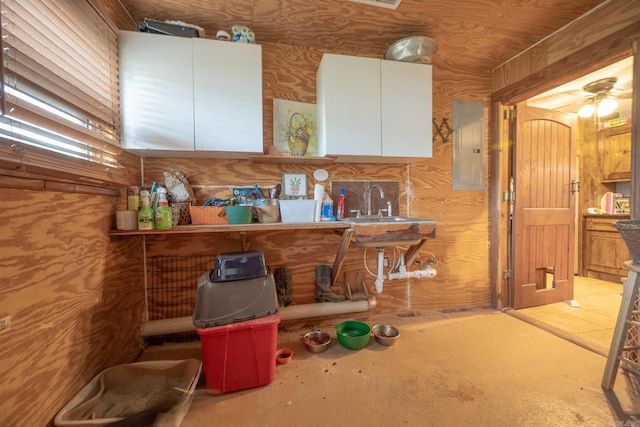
(473, 36)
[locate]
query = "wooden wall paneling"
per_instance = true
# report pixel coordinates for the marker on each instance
(116, 13)
(476, 37)
(425, 188)
(74, 298)
(289, 73)
(301, 251)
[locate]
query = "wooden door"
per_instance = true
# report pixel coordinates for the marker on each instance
(544, 208)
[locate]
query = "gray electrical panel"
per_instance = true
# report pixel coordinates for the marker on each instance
(468, 145)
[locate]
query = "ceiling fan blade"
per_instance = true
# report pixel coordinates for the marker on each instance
(571, 106)
(570, 95)
(621, 95)
(577, 93)
(625, 86)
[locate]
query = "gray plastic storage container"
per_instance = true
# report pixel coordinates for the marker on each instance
(221, 303)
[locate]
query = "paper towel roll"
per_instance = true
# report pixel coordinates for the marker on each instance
(318, 194)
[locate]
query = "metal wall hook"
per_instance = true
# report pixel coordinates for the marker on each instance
(442, 129)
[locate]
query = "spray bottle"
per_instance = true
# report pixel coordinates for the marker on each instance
(327, 208)
(163, 211)
(145, 215)
(340, 212)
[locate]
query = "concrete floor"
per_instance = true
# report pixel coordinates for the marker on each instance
(474, 368)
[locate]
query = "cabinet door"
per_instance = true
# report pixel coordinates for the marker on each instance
(227, 96)
(406, 109)
(156, 91)
(615, 154)
(348, 97)
(604, 250)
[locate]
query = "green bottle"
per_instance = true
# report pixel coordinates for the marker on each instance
(163, 211)
(145, 215)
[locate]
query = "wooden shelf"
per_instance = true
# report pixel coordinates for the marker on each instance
(265, 158)
(225, 228)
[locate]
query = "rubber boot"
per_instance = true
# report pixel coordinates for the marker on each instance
(323, 285)
(282, 277)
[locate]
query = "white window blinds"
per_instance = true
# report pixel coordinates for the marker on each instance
(60, 79)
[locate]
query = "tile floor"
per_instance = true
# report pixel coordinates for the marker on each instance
(591, 324)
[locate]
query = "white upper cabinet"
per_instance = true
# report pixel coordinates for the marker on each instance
(227, 80)
(374, 110)
(407, 119)
(190, 94)
(156, 91)
(348, 105)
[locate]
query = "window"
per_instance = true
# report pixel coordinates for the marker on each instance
(59, 94)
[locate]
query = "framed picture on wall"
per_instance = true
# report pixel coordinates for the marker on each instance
(294, 128)
(294, 184)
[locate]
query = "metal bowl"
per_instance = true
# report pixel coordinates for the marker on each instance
(317, 341)
(416, 49)
(353, 335)
(385, 334)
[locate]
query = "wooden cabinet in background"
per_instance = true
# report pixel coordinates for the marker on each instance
(615, 153)
(604, 249)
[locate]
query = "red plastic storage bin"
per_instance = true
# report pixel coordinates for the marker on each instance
(241, 355)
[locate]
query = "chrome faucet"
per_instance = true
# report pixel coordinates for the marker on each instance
(367, 197)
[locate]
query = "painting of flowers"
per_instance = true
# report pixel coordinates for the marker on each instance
(295, 128)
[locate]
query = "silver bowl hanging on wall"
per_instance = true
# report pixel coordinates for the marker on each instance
(416, 49)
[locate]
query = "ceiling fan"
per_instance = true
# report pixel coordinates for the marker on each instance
(601, 96)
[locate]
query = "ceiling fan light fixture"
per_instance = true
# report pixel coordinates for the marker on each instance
(606, 107)
(586, 110)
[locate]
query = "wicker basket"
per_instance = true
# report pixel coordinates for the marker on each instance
(630, 232)
(180, 214)
(298, 135)
(207, 215)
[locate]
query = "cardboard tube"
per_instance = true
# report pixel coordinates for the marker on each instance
(292, 312)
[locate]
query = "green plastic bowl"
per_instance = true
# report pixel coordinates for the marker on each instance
(352, 334)
(239, 214)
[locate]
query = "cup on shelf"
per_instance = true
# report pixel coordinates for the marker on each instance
(127, 220)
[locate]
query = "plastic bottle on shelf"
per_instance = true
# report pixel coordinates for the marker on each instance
(163, 211)
(340, 212)
(145, 215)
(327, 208)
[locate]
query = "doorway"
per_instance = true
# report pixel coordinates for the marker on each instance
(567, 97)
